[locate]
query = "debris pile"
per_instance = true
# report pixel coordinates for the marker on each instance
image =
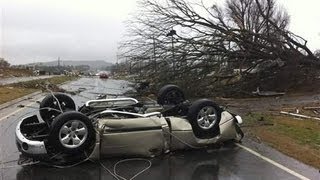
(308, 112)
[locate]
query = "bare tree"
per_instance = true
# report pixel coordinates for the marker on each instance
(212, 41)
(4, 63)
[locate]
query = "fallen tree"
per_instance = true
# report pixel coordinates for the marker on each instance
(239, 46)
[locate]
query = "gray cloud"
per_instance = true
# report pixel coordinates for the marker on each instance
(43, 30)
(32, 33)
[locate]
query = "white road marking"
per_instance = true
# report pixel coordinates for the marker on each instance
(273, 162)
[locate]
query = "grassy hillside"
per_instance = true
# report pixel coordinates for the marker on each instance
(12, 72)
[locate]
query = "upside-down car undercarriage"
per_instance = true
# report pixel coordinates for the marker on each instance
(73, 136)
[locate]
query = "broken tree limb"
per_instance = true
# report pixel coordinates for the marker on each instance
(267, 93)
(289, 109)
(299, 115)
(312, 108)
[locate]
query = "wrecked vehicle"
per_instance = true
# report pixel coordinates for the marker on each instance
(122, 127)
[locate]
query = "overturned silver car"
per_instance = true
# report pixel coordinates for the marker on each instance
(123, 127)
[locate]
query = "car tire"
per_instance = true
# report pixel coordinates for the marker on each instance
(170, 95)
(71, 132)
(66, 103)
(204, 116)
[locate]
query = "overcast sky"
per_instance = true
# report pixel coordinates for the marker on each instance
(43, 30)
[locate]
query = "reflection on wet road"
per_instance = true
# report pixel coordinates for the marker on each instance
(230, 162)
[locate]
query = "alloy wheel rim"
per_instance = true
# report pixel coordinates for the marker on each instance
(73, 134)
(207, 117)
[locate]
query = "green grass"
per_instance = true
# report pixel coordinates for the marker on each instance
(307, 134)
(303, 131)
(13, 91)
(10, 93)
(257, 119)
(298, 138)
(36, 83)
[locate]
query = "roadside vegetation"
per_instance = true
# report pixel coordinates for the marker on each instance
(298, 138)
(10, 93)
(7, 71)
(13, 72)
(13, 91)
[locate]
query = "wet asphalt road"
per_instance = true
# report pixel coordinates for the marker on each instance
(229, 162)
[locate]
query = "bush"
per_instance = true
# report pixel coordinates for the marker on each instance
(4, 63)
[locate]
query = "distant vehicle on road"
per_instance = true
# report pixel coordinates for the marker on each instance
(103, 75)
(39, 73)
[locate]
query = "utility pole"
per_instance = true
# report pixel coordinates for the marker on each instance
(173, 58)
(154, 55)
(117, 65)
(172, 33)
(128, 65)
(58, 62)
(59, 65)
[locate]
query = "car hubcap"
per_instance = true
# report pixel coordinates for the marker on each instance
(207, 117)
(73, 134)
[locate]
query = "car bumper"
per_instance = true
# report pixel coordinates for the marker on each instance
(29, 147)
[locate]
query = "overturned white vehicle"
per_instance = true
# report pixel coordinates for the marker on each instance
(122, 127)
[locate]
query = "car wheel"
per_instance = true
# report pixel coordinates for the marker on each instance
(50, 101)
(204, 116)
(71, 132)
(170, 95)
